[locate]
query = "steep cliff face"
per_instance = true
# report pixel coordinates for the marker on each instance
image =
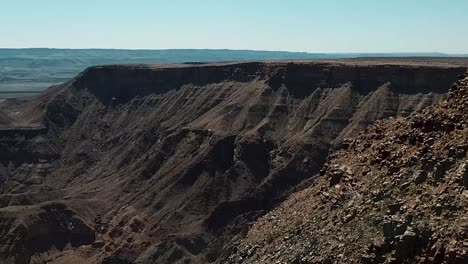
(170, 156)
(396, 194)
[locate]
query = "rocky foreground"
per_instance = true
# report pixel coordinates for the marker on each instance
(396, 194)
(173, 163)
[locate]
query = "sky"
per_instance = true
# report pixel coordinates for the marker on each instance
(326, 26)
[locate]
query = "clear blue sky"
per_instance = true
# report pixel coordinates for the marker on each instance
(294, 25)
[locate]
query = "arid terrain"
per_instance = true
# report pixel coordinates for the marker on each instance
(26, 72)
(396, 194)
(229, 163)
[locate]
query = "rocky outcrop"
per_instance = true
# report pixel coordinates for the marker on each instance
(396, 194)
(183, 157)
(30, 234)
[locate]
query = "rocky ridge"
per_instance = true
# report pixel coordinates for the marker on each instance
(396, 194)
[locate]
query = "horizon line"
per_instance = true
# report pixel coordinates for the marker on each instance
(229, 49)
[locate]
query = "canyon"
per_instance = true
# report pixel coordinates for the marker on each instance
(175, 163)
(395, 194)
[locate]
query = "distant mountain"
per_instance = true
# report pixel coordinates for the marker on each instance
(81, 58)
(29, 71)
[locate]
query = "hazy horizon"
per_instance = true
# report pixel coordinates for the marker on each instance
(335, 26)
(253, 50)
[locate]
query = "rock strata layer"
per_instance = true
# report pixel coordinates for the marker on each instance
(167, 164)
(396, 194)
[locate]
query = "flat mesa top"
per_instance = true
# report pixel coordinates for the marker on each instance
(401, 61)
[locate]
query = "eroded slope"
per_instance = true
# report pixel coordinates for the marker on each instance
(396, 194)
(168, 156)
